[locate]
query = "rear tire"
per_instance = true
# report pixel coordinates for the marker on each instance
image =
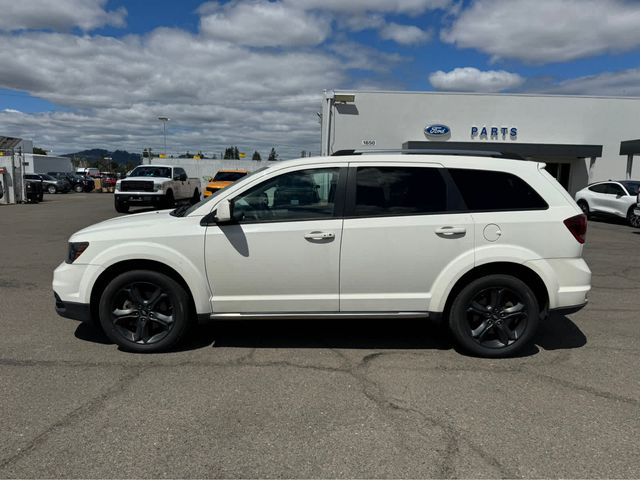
(52, 189)
(494, 316)
(78, 188)
(144, 311)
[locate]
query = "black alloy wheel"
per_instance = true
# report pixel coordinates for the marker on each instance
(632, 218)
(144, 311)
(584, 206)
(494, 316)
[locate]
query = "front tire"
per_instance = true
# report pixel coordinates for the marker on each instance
(144, 311)
(78, 188)
(121, 207)
(584, 206)
(494, 316)
(633, 219)
(169, 200)
(196, 197)
(52, 189)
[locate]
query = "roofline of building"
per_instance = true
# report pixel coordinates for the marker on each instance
(483, 94)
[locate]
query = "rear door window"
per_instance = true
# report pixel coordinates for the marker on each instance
(383, 191)
(485, 190)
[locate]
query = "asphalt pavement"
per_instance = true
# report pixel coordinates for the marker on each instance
(275, 399)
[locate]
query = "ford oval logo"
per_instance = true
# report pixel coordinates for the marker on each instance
(437, 131)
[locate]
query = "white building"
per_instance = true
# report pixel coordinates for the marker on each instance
(582, 139)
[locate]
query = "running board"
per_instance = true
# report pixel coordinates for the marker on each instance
(315, 315)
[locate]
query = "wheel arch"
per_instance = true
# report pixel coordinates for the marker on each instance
(128, 265)
(518, 270)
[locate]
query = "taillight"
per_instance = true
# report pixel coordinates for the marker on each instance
(577, 226)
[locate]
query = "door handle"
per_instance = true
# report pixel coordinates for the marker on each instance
(450, 231)
(319, 235)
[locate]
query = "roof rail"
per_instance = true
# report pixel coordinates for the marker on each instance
(413, 151)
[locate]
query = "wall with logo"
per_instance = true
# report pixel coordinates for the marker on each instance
(385, 120)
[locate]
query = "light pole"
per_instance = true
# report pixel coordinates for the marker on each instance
(164, 121)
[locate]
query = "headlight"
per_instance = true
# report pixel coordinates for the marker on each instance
(157, 187)
(117, 186)
(75, 250)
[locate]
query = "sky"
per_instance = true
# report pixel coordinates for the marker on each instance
(77, 74)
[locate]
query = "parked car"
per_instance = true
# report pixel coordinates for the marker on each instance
(50, 184)
(33, 190)
(108, 181)
(223, 178)
(613, 197)
(79, 183)
(487, 245)
(160, 186)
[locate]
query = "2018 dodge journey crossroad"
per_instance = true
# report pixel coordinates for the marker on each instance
(487, 245)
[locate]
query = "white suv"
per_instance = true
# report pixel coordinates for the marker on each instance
(616, 198)
(487, 245)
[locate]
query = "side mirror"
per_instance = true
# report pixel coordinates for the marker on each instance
(223, 212)
(183, 177)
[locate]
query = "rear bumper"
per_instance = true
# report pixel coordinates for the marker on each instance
(568, 281)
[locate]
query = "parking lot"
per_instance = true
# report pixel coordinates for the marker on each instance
(372, 399)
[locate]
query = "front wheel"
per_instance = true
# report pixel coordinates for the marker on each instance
(78, 188)
(196, 197)
(52, 189)
(632, 218)
(121, 207)
(144, 311)
(169, 200)
(494, 316)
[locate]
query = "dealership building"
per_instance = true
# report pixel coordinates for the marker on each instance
(582, 139)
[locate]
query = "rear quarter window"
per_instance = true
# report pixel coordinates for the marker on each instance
(485, 190)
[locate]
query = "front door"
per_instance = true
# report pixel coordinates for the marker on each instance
(398, 237)
(282, 252)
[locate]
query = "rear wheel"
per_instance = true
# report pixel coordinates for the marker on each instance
(78, 188)
(52, 189)
(494, 316)
(144, 311)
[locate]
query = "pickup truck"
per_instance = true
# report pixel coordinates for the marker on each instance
(160, 186)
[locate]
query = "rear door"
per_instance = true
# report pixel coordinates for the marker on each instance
(398, 236)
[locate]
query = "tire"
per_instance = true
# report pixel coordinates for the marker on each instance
(144, 311)
(121, 207)
(41, 197)
(584, 206)
(52, 189)
(196, 197)
(632, 219)
(494, 316)
(78, 188)
(169, 201)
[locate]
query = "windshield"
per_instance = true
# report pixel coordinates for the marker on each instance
(193, 208)
(46, 177)
(151, 171)
(632, 187)
(228, 176)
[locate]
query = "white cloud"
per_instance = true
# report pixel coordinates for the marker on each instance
(622, 83)
(547, 30)
(409, 7)
(469, 79)
(263, 24)
(404, 34)
(58, 15)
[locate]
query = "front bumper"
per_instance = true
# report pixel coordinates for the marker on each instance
(142, 198)
(72, 310)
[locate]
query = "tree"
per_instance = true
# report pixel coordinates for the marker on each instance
(273, 156)
(39, 151)
(256, 156)
(236, 153)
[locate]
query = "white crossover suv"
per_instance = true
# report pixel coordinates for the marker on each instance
(487, 245)
(617, 198)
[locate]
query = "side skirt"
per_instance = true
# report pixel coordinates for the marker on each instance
(315, 315)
